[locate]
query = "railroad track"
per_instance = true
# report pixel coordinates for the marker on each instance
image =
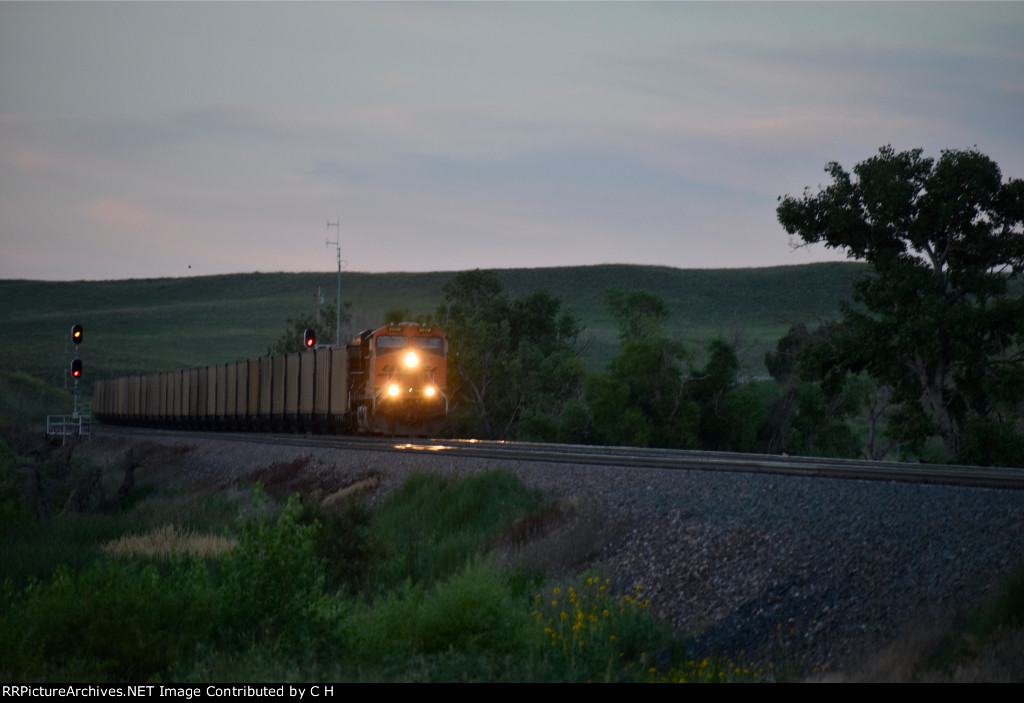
(635, 457)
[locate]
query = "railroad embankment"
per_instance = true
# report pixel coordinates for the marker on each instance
(833, 572)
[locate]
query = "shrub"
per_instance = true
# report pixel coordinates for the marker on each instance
(471, 614)
(114, 621)
(12, 505)
(272, 580)
(345, 543)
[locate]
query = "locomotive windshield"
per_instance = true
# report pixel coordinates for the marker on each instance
(392, 341)
(432, 344)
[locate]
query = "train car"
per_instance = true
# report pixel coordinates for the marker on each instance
(387, 381)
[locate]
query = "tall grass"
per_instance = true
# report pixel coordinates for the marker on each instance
(433, 525)
(430, 603)
(984, 627)
(35, 548)
(26, 400)
(169, 542)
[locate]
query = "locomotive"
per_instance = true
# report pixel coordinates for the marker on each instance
(391, 380)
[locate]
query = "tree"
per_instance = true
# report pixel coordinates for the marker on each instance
(639, 314)
(507, 358)
(652, 395)
(940, 320)
(323, 324)
(811, 414)
(395, 316)
(713, 389)
(641, 400)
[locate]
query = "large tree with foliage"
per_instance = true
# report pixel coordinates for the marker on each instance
(508, 359)
(940, 320)
(641, 399)
(811, 413)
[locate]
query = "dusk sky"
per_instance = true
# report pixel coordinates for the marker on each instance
(144, 140)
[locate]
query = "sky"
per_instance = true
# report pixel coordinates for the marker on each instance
(142, 140)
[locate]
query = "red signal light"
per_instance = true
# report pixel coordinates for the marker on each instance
(76, 368)
(309, 338)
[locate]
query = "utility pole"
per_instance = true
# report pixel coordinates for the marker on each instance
(337, 243)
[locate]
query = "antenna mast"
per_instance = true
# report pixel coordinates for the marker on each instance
(337, 244)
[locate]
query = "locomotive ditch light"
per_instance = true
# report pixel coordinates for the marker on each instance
(429, 391)
(309, 338)
(76, 368)
(411, 360)
(76, 334)
(394, 390)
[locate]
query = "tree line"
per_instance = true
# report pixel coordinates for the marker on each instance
(925, 362)
(516, 371)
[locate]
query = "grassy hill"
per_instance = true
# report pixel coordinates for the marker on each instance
(144, 325)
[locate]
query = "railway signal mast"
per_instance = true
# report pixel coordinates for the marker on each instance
(80, 420)
(76, 363)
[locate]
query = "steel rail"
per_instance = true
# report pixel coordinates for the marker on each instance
(639, 457)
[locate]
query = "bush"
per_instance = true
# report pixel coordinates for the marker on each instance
(12, 505)
(345, 543)
(272, 580)
(470, 614)
(114, 621)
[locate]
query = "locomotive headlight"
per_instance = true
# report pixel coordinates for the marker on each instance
(394, 390)
(429, 391)
(411, 360)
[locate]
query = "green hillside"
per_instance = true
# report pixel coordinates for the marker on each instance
(750, 307)
(143, 325)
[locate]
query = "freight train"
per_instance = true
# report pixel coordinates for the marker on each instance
(390, 381)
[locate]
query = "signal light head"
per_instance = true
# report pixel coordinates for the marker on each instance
(76, 368)
(309, 338)
(76, 334)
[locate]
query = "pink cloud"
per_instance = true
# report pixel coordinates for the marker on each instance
(117, 213)
(36, 161)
